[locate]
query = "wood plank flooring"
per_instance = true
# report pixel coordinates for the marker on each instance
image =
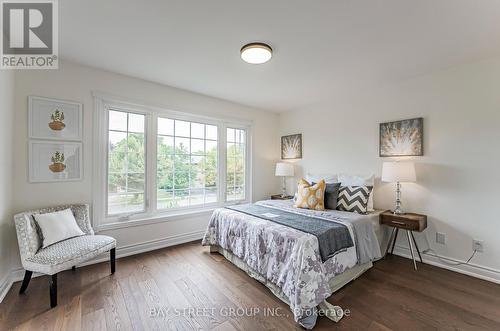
(187, 288)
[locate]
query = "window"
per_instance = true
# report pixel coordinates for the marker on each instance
(235, 164)
(151, 163)
(186, 164)
(126, 162)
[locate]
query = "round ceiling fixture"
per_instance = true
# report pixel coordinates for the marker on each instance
(256, 53)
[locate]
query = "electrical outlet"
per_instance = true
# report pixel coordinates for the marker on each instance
(441, 238)
(477, 245)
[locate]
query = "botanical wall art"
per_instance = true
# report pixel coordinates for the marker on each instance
(402, 138)
(57, 162)
(51, 161)
(291, 147)
(54, 119)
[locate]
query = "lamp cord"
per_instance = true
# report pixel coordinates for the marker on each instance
(452, 264)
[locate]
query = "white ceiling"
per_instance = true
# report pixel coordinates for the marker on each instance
(322, 49)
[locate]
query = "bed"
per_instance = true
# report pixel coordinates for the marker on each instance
(288, 261)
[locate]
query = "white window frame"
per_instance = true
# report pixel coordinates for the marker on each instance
(147, 124)
(209, 205)
(104, 102)
(225, 163)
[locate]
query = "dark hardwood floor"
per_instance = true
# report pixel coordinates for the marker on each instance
(188, 288)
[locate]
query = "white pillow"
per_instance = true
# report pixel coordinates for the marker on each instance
(329, 178)
(58, 226)
(352, 180)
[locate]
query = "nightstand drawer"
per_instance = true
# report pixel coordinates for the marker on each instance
(400, 223)
(412, 222)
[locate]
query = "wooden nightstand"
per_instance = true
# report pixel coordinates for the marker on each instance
(279, 197)
(409, 222)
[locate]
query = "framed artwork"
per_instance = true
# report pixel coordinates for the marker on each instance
(54, 119)
(291, 147)
(53, 161)
(402, 138)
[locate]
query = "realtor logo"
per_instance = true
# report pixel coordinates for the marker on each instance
(29, 34)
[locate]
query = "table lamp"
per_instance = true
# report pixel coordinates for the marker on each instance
(398, 172)
(284, 170)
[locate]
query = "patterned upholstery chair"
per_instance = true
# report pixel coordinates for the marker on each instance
(60, 256)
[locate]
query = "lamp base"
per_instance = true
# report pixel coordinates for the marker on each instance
(398, 210)
(283, 190)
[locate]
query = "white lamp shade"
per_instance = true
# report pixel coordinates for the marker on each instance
(284, 169)
(398, 172)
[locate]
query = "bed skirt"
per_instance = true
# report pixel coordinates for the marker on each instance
(335, 313)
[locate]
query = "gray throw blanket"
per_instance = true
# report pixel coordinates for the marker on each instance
(332, 237)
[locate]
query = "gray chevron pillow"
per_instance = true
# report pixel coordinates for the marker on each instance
(354, 198)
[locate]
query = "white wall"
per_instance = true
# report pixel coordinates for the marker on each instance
(7, 232)
(459, 173)
(76, 83)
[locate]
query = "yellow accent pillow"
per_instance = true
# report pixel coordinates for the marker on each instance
(310, 197)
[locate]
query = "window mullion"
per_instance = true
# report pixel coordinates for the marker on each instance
(190, 165)
(151, 165)
(222, 163)
(126, 165)
(174, 187)
(248, 164)
(205, 156)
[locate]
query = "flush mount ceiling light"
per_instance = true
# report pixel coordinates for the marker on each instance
(256, 53)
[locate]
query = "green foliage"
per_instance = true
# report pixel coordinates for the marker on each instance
(235, 165)
(57, 116)
(58, 157)
(127, 157)
(126, 166)
(211, 168)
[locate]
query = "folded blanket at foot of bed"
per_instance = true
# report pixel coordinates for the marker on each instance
(332, 236)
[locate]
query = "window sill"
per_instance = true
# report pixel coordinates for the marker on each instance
(162, 217)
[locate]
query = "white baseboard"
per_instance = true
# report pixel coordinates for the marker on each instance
(469, 269)
(473, 270)
(148, 246)
(17, 274)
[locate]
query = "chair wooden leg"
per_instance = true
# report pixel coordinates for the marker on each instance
(26, 281)
(112, 260)
(53, 290)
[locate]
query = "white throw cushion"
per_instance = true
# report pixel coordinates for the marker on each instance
(329, 178)
(353, 180)
(57, 226)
